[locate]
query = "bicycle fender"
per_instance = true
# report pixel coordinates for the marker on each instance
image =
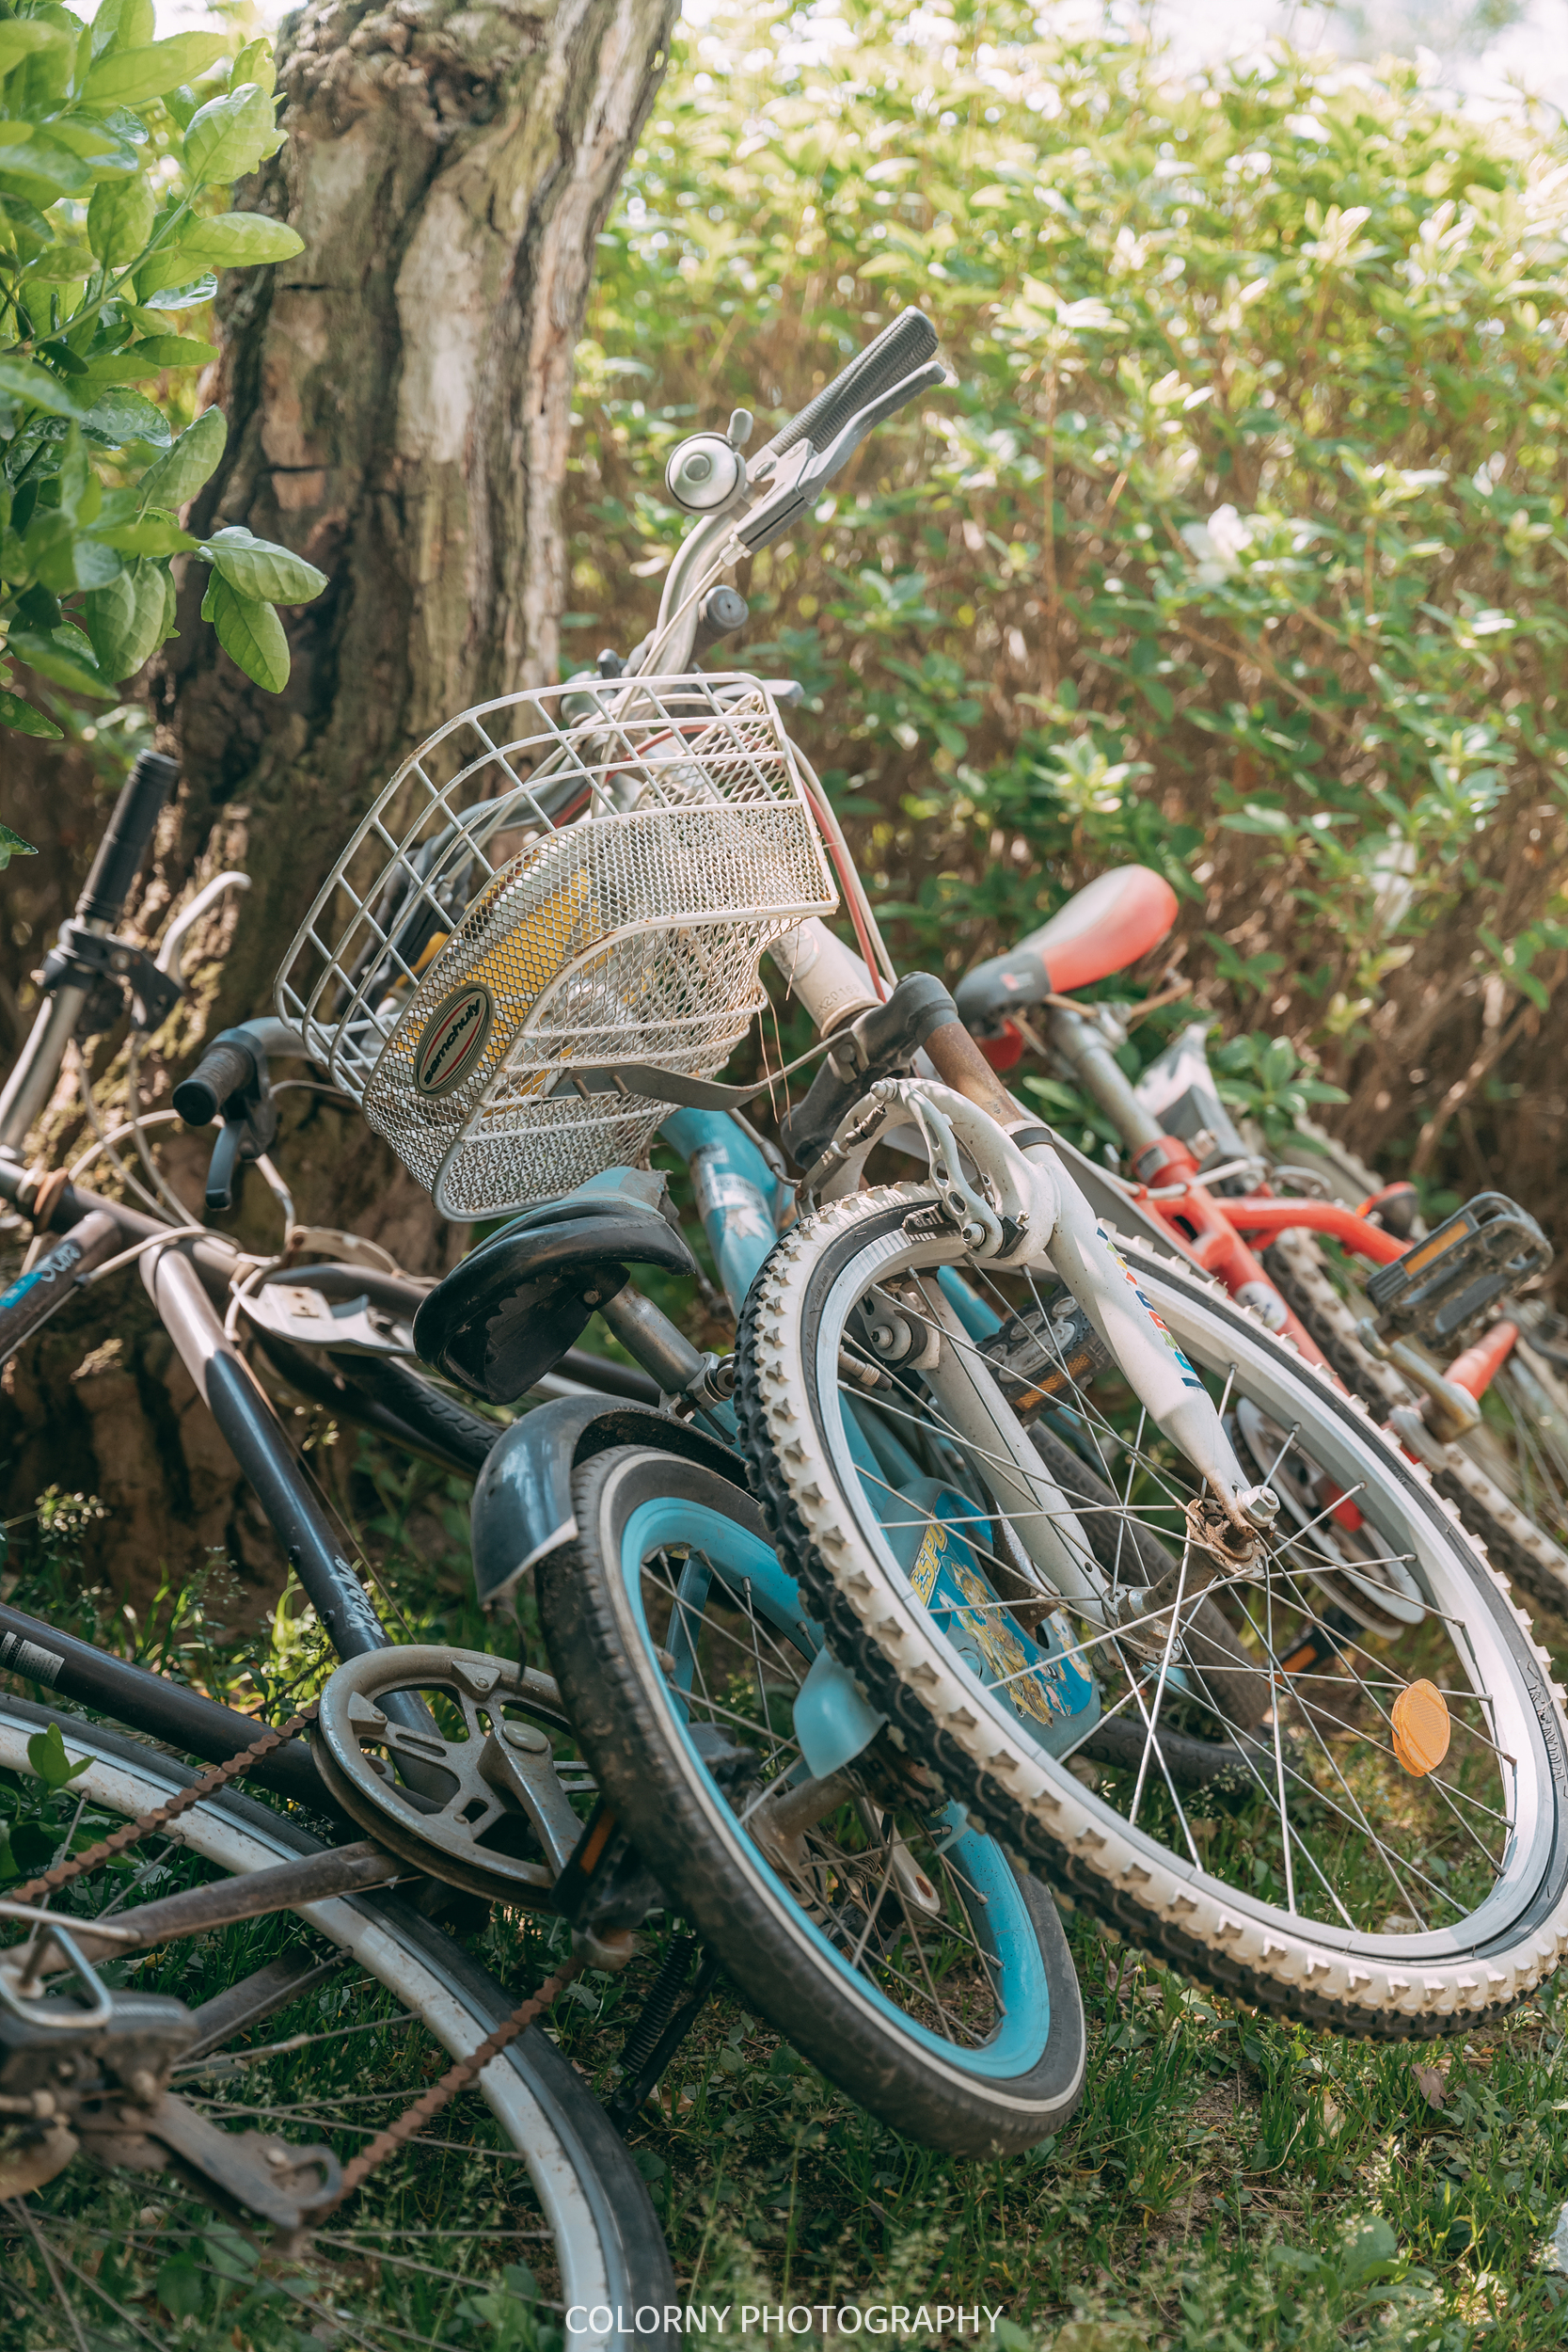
(522, 1507)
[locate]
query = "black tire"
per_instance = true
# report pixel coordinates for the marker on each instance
(621, 1703)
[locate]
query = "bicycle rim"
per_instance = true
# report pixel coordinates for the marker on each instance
(576, 2214)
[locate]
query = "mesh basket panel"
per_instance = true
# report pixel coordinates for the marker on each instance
(453, 988)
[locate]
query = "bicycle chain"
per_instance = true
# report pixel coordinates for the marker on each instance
(146, 1823)
(440, 2094)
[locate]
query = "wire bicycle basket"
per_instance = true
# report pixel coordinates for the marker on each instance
(555, 881)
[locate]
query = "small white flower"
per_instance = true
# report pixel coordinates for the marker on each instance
(1217, 545)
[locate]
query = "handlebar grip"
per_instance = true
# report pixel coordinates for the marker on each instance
(223, 1070)
(124, 845)
(896, 353)
(1006, 984)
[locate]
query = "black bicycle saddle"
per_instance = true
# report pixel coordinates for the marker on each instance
(499, 1321)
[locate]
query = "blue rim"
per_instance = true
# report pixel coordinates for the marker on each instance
(1001, 1923)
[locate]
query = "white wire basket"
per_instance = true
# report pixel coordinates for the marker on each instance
(553, 883)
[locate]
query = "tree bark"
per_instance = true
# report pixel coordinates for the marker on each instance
(399, 404)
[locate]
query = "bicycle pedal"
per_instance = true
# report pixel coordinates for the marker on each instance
(1044, 1354)
(605, 1891)
(1476, 1257)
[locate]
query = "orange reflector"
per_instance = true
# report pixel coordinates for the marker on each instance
(1420, 1728)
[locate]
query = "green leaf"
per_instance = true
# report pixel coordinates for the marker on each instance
(122, 24)
(61, 264)
(249, 632)
(26, 380)
(171, 351)
(119, 220)
(106, 156)
(27, 222)
(122, 415)
(190, 297)
(125, 77)
(46, 1755)
(15, 713)
(229, 137)
(57, 658)
(258, 569)
(42, 170)
(236, 241)
(19, 39)
(125, 619)
(176, 478)
(254, 64)
(152, 534)
(182, 2289)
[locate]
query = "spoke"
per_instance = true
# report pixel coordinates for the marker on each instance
(1291, 1436)
(1160, 1688)
(1360, 1820)
(935, 1998)
(871, 1915)
(93, 2288)
(1278, 1743)
(1127, 1505)
(1151, 1735)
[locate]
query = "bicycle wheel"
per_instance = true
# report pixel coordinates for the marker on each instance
(1508, 1479)
(897, 1948)
(1365, 1878)
(359, 1997)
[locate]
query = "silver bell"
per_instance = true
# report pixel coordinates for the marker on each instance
(704, 473)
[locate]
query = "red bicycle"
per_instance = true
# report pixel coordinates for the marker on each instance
(1428, 1325)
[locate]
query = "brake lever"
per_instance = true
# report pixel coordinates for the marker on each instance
(802, 471)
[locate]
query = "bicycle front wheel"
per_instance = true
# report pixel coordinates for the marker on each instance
(897, 1947)
(324, 2025)
(1392, 1856)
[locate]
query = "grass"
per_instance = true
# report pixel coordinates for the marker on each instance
(1229, 2183)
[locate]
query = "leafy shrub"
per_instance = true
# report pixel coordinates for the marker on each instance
(115, 151)
(1238, 546)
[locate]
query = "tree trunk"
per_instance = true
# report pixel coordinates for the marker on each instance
(398, 403)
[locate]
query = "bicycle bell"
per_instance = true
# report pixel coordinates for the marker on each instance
(707, 470)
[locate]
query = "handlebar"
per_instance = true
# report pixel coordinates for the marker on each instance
(125, 841)
(227, 1067)
(896, 353)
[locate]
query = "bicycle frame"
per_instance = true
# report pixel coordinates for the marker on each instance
(1214, 1229)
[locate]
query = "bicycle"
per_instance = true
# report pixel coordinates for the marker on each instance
(293, 1928)
(1441, 1327)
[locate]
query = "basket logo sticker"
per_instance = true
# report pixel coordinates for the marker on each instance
(453, 1039)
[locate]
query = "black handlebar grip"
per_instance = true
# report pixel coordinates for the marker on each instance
(897, 351)
(223, 1070)
(124, 845)
(1005, 984)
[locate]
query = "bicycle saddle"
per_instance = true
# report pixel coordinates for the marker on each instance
(504, 1317)
(1102, 928)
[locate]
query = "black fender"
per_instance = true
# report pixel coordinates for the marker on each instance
(522, 1505)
